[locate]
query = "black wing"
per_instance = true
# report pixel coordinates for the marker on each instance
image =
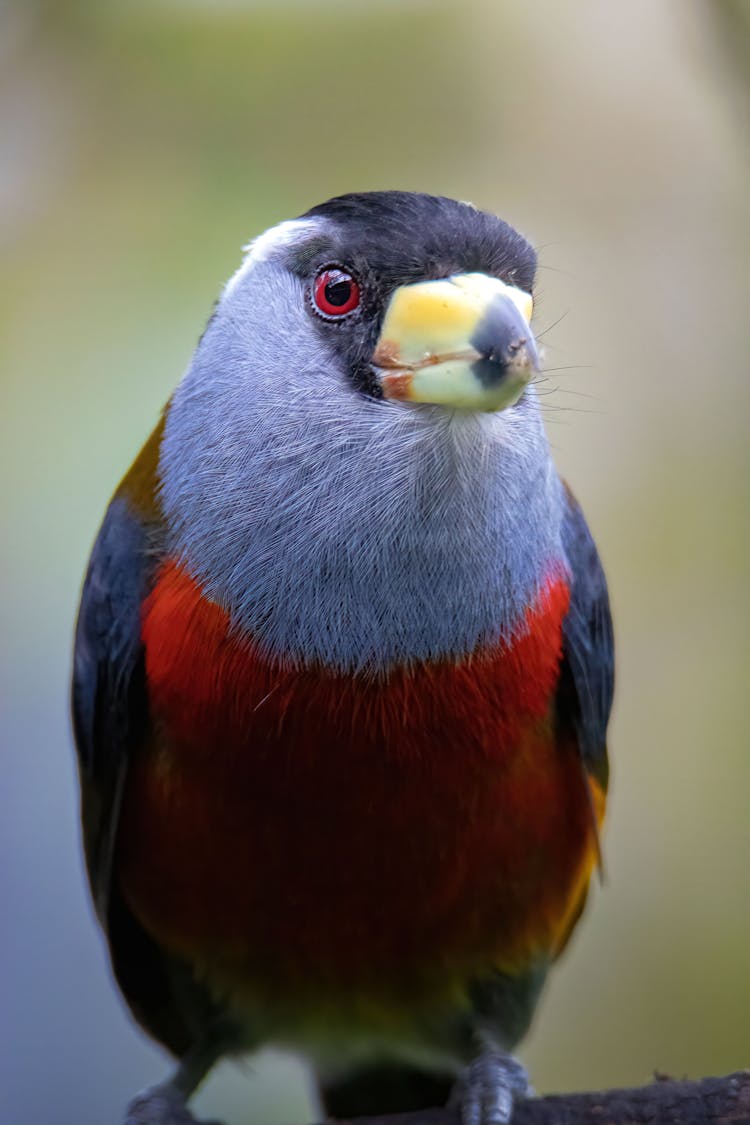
(109, 691)
(111, 720)
(587, 671)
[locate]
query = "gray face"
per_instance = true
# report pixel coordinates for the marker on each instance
(336, 528)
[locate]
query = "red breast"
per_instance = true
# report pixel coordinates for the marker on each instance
(306, 825)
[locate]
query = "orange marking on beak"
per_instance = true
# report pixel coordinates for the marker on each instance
(386, 354)
(397, 385)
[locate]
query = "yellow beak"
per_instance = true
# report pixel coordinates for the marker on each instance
(462, 342)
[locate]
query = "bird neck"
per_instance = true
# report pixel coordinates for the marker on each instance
(411, 535)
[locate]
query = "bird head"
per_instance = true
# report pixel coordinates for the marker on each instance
(417, 299)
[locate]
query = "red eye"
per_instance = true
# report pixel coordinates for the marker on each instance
(335, 293)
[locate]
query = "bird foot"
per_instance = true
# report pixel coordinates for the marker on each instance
(489, 1088)
(161, 1105)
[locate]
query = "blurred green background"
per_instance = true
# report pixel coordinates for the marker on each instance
(141, 145)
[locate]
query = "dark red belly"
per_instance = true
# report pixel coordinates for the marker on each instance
(302, 825)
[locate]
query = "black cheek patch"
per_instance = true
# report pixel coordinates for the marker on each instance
(365, 381)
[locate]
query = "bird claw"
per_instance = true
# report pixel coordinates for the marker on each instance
(161, 1105)
(489, 1088)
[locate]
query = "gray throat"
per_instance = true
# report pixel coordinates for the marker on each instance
(347, 532)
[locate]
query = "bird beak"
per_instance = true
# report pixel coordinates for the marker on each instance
(462, 342)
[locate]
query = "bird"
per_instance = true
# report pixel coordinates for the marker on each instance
(343, 671)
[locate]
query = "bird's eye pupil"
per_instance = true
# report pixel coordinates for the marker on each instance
(338, 292)
(335, 293)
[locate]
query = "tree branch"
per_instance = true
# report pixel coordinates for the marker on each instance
(710, 1101)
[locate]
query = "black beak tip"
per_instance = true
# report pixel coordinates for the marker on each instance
(504, 342)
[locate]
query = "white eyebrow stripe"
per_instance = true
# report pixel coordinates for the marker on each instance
(269, 243)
